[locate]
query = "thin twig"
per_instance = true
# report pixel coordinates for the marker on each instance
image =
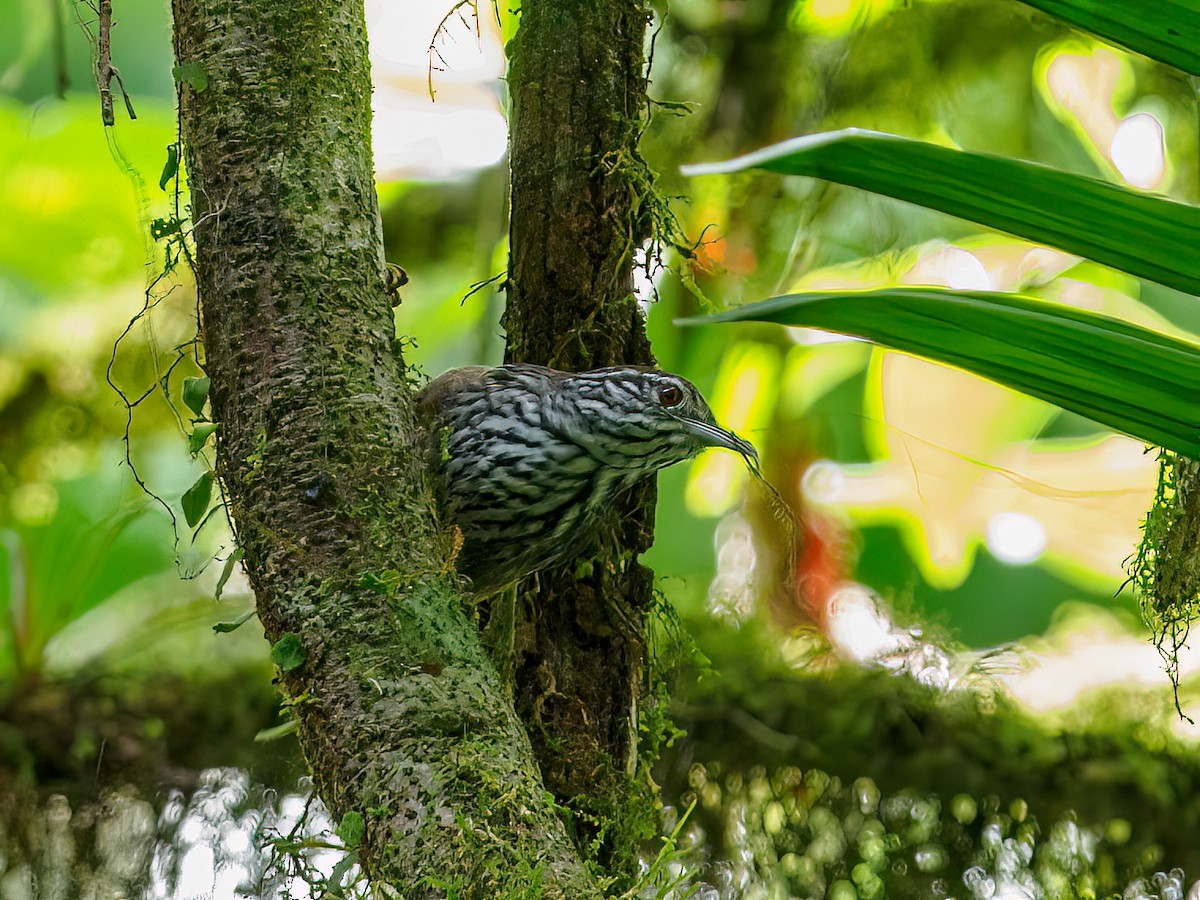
(479, 286)
(104, 65)
(442, 27)
(106, 71)
(124, 93)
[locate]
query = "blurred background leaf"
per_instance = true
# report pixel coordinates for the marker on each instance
(1168, 31)
(1080, 215)
(1129, 378)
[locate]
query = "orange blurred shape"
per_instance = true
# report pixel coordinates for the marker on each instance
(740, 259)
(820, 565)
(708, 255)
(812, 548)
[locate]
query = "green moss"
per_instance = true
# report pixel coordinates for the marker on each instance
(253, 463)
(1165, 571)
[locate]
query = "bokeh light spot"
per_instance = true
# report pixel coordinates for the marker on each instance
(1138, 152)
(1015, 538)
(34, 504)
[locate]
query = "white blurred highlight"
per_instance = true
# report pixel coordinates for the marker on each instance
(811, 337)
(647, 270)
(1083, 87)
(1092, 650)
(463, 128)
(951, 267)
(731, 593)
(824, 482)
(1138, 151)
(1092, 656)
(858, 627)
(197, 872)
(1015, 538)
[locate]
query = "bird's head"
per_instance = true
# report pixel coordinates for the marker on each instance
(644, 419)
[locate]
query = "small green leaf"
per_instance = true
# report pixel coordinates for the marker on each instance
(170, 167)
(195, 392)
(226, 627)
(340, 871)
(277, 732)
(192, 74)
(372, 582)
(196, 498)
(227, 570)
(351, 829)
(200, 435)
(288, 652)
(676, 107)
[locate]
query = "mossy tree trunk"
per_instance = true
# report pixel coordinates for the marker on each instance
(581, 201)
(402, 715)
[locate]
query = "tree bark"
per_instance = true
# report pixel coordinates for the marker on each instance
(402, 715)
(581, 197)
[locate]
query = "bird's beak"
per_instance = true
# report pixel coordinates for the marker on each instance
(716, 436)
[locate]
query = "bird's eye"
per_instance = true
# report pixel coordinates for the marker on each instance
(670, 395)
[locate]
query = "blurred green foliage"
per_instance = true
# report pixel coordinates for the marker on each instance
(33, 67)
(71, 271)
(89, 566)
(69, 555)
(89, 570)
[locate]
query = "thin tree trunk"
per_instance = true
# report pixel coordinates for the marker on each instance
(580, 202)
(402, 716)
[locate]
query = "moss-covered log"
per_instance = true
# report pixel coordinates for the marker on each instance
(581, 197)
(822, 747)
(401, 713)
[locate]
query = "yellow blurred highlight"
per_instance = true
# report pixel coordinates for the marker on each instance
(714, 483)
(833, 11)
(712, 198)
(812, 372)
(956, 457)
(39, 190)
(1085, 84)
(931, 425)
(835, 18)
(945, 502)
(874, 271)
(742, 399)
(34, 504)
(12, 379)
